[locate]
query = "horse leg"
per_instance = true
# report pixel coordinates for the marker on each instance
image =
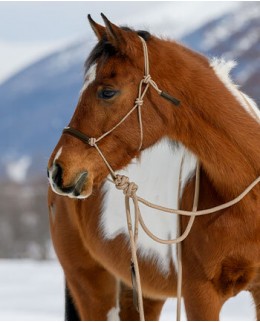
(256, 296)
(91, 286)
(255, 291)
(128, 312)
(71, 313)
(94, 292)
(202, 301)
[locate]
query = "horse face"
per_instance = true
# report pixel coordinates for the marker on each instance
(114, 70)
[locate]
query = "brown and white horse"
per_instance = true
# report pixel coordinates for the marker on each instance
(221, 255)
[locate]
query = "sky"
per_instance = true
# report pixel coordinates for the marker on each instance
(30, 30)
(56, 20)
(51, 21)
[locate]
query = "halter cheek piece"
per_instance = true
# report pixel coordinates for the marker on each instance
(147, 81)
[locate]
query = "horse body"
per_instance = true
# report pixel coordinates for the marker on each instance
(221, 254)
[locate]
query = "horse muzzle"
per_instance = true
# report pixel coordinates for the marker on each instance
(74, 190)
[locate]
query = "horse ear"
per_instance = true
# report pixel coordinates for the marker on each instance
(115, 35)
(98, 29)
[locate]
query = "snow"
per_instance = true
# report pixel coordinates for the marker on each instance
(33, 291)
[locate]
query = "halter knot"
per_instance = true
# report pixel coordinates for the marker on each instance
(92, 141)
(122, 183)
(139, 102)
(147, 79)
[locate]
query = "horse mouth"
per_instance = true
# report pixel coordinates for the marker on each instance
(79, 190)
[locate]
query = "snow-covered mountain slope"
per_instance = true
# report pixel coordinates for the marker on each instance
(38, 102)
(16, 56)
(235, 35)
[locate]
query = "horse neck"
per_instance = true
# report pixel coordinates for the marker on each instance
(211, 121)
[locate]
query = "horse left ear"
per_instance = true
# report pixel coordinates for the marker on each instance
(98, 29)
(115, 35)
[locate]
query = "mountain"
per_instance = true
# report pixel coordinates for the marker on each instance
(38, 102)
(235, 35)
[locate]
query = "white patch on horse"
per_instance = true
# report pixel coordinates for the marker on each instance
(89, 78)
(222, 69)
(156, 174)
(52, 211)
(113, 314)
(58, 154)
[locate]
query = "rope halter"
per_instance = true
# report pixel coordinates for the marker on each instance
(147, 81)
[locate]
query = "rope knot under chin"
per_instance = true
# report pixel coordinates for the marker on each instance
(122, 183)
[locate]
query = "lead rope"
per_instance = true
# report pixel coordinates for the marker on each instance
(179, 245)
(130, 188)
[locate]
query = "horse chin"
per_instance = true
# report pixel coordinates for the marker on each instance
(73, 195)
(85, 193)
(80, 197)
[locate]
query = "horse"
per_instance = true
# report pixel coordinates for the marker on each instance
(204, 118)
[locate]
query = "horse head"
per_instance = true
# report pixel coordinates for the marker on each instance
(114, 78)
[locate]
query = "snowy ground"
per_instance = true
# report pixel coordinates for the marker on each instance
(33, 291)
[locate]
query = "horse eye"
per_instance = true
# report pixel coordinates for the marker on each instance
(107, 93)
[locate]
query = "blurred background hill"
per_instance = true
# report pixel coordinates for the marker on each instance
(38, 101)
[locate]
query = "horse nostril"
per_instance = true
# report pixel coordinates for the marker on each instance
(80, 183)
(57, 174)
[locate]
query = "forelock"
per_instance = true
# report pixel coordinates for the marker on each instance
(104, 49)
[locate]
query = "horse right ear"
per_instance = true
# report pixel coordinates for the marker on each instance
(98, 29)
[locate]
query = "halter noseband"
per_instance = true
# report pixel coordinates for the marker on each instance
(148, 81)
